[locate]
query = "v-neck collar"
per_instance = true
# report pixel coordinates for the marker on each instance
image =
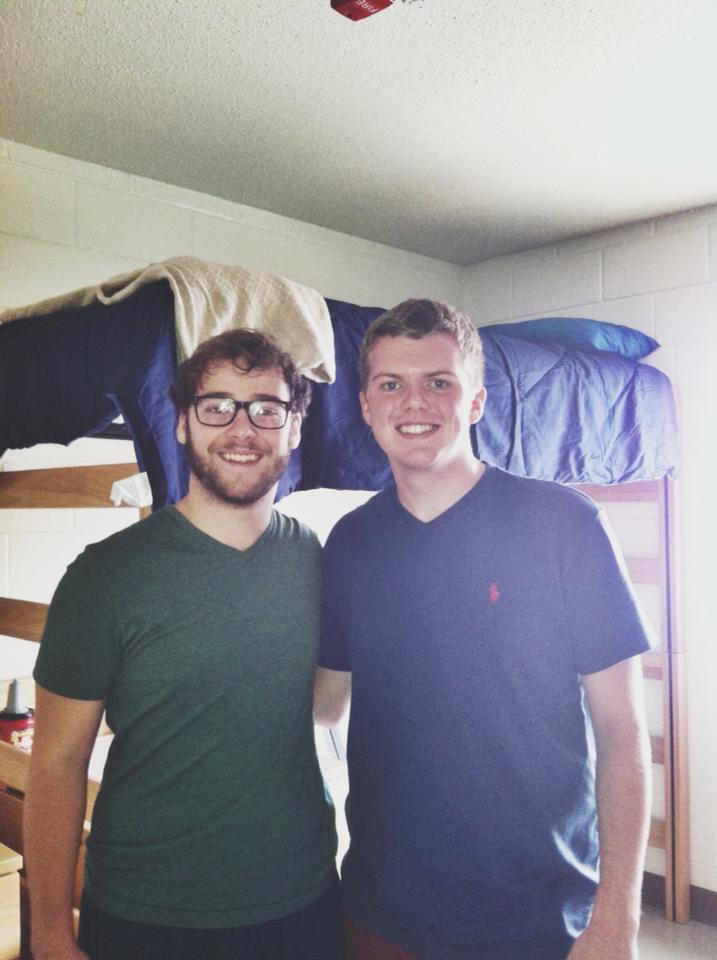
(468, 501)
(268, 534)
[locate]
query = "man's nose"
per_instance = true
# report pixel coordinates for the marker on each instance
(414, 395)
(241, 425)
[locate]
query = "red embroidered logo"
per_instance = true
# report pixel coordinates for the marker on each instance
(493, 593)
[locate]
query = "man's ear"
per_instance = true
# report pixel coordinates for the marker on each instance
(364, 407)
(295, 430)
(478, 405)
(181, 431)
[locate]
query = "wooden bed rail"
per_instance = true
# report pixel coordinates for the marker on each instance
(62, 487)
(22, 619)
(629, 492)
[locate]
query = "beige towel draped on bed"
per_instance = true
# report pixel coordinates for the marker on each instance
(211, 298)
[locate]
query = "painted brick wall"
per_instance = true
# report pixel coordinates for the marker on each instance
(65, 224)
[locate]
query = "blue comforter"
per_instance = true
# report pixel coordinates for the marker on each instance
(553, 412)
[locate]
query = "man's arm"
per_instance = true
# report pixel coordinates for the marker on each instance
(332, 690)
(616, 702)
(65, 732)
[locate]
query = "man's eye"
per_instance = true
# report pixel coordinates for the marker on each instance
(219, 406)
(438, 383)
(390, 386)
(266, 410)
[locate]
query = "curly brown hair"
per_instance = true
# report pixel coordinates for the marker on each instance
(248, 350)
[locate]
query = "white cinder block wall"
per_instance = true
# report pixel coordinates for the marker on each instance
(661, 277)
(65, 224)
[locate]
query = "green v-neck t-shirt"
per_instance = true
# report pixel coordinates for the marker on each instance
(212, 811)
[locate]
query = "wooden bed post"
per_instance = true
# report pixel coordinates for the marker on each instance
(666, 666)
(677, 827)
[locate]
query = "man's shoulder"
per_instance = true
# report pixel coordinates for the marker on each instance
(535, 493)
(129, 549)
(156, 525)
(290, 529)
(375, 511)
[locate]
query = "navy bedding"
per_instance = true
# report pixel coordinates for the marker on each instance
(553, 412)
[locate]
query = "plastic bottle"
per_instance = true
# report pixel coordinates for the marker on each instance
(17, 720)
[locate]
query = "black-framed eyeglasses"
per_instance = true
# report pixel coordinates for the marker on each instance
(218, 411)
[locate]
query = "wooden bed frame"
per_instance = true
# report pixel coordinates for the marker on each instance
(77, 487)
(666, 667)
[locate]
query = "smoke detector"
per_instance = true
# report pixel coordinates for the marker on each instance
(360, 9)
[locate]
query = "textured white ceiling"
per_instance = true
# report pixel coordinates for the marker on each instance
(459, 129)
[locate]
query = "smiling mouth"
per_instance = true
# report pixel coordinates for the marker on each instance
(240, 457)
(417, 429)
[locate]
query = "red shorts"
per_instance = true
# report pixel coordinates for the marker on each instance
(361, 944)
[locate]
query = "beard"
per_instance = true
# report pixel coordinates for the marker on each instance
(225, 491)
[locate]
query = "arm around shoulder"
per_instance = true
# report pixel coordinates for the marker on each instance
(65, 731)
(332, 691)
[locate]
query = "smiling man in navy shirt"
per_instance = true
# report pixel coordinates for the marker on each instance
(483, 626)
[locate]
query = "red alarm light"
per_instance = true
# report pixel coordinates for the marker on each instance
(358, 9)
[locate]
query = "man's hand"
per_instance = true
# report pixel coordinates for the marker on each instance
(604, 945)
(57, 949)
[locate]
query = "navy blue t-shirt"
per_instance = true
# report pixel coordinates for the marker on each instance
(471, 766)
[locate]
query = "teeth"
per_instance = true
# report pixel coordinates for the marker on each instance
(241, 457)
(416, 428)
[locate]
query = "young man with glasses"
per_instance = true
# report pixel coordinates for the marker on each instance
(476, 617)
(197, 631)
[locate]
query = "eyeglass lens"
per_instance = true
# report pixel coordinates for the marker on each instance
(220, 411)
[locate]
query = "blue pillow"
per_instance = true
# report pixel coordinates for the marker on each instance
(580, 333)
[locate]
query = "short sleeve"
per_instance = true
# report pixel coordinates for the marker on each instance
(605, 619)
(78, 655)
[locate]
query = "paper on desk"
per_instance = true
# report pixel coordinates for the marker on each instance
(135, 491)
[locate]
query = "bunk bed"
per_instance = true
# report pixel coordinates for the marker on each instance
(568, 401)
